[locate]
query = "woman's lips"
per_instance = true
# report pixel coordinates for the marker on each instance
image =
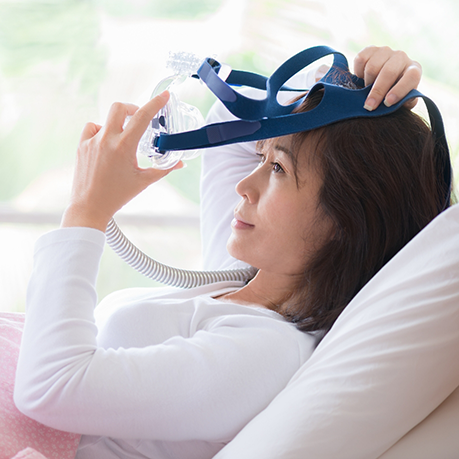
(239, 224)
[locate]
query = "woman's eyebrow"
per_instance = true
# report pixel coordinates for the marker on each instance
(285, 150)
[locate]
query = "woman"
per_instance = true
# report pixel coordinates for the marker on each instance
(178, 373)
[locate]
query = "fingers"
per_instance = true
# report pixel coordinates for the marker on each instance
(387, 74)
(393, 73)
(117, 116)
(89, 131)
(107, 174)
(142, 117)
(152, 175)
(408, 81)
(411, 103)
(129, 136)
(369, 62)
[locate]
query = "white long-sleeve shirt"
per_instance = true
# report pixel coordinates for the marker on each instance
(160, 373)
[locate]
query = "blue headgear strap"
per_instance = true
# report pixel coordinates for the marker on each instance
(267, 118)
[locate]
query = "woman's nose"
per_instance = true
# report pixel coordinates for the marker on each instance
(247, 187)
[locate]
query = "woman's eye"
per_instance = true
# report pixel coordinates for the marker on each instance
(277, 167)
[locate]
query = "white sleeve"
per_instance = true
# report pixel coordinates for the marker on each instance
(222, 168)
(207, 386)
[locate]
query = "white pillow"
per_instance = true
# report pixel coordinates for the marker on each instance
(435, 437)
(390, 359)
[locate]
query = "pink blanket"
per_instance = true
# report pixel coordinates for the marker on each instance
(20, 436)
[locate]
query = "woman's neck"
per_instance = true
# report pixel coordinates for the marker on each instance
(267, 289)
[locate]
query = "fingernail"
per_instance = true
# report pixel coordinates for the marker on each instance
(370, 104)
(390, 100)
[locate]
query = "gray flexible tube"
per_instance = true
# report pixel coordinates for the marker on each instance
(164, 274)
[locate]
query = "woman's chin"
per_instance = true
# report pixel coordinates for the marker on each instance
(240, 254)
(236, 251)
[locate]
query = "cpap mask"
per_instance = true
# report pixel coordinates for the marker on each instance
(178, 131)
(176, 116)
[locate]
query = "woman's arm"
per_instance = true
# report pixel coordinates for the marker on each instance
(206, 384)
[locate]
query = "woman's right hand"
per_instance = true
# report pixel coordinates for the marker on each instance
(107, 174)
(393, 73)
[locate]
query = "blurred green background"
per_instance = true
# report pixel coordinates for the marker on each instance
(63, 62)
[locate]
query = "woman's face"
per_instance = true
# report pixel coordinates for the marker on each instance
(277, 224)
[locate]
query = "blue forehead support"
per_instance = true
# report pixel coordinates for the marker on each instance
(267, 118)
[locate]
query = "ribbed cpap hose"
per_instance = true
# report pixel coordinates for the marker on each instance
(164, 274)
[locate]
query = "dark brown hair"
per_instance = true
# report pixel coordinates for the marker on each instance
(380, 188)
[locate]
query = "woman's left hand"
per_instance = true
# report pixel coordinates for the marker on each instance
(107, 174)
(393, 73)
